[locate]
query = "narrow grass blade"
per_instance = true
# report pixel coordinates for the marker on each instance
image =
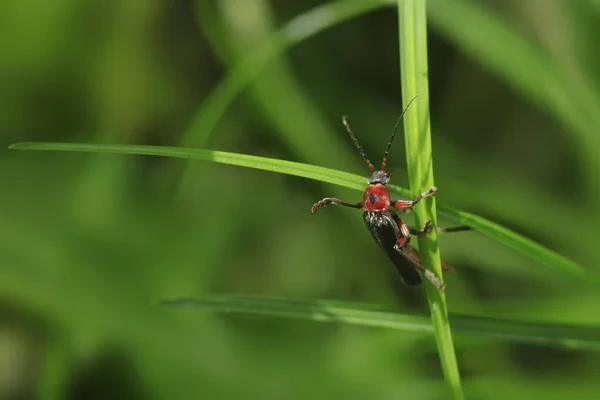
(526, 246)
(241, 160)
(297, 30)
(412, 19)
(543, 334)
(284, 102)
(517, 242)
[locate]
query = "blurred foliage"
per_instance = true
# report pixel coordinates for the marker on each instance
(89, 243)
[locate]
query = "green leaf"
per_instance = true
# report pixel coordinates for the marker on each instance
(283, 101)
(241, 160)
(412, 19)
(566, 336)
(239, 77)
(526, 246)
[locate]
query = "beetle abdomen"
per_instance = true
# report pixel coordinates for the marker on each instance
(385, 231)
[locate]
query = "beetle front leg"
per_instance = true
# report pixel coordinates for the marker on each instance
(408, 204)
(332, 200)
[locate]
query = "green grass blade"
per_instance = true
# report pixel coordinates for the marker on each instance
(412, 19)
(352, 181)
(566, 336)
(241, 160)
(276, 93)
(517, 242)
(297, 30)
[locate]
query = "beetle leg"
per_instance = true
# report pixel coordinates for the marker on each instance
(401, 247)
(402, 232)
(400, 243)
(427, 228)
(421, 232)
(431, 277)
(414, 256)
(454, 229)
(332, 200)
(408, 204)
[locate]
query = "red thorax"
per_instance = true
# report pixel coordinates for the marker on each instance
(376, 198)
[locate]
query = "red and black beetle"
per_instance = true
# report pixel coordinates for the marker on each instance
(380, 216)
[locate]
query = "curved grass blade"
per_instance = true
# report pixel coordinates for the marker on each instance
(526, 246)
(517, 242)
(539, 334)
(241, 160)
(268, 79)
(412, 20)
(297, 30)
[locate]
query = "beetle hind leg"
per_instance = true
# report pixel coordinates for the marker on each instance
(432, 277)
(427, 273)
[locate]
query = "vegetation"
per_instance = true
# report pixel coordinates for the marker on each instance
(110, 262)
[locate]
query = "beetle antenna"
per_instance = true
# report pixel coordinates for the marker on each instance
(358, 146)
(387, 151)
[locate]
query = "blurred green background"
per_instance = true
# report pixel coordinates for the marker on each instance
(88, 243)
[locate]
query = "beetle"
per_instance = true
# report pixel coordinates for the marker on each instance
(382, 220)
